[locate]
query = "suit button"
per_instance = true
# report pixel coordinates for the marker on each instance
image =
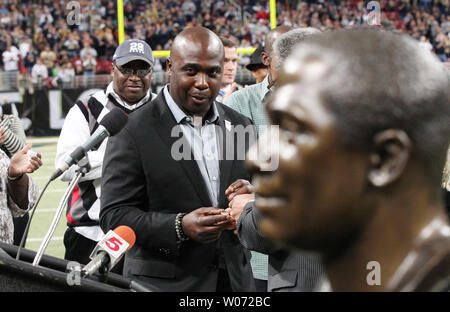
(164, 251)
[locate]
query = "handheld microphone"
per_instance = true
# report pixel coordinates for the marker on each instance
(110, 125)
(110, 249)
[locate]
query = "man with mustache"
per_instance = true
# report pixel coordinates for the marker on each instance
(250, 102)
(164, 177)
(286, 271)
(131, 71)
(360, 161)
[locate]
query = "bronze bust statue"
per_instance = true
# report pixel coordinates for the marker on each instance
(364, 120)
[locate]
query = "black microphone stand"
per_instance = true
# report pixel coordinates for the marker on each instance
(84, 168)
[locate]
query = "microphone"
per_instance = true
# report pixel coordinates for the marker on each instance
(110, 125)
(110, 249)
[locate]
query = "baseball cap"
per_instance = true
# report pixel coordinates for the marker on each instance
(132, 50)
(255, 60)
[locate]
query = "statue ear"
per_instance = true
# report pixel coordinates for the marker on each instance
(390, 153)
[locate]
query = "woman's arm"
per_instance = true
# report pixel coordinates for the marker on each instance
(15, 135)
(18, 181)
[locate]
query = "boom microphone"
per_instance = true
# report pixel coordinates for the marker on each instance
(110, 249)
(110, 125)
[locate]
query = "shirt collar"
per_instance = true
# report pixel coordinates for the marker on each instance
(180, 116)
(265, 87)
(110, 91)
(224, 90)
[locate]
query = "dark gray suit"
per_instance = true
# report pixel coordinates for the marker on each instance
(288, 270)
(144, 188)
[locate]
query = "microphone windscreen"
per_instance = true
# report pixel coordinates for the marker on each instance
(114, 121)
(127, 234)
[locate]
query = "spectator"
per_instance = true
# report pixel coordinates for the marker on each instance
(72, 45)
(30, 59)
(256, 66)
(39, 40)
(39, 72)
(441, 43)
(94, 20)
(425, 43)
(52, 36)
(188, 7)
(25, 46)
(67, 74)
(89, 66)
(79, 70)
(87, 50)
(62, 56)
(3, 9)
(230, 64)
(45, 17)
(55, 71)
(48, 57)
(11, 58)
(446, 25)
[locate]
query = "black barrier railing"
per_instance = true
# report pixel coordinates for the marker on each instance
(14, 81)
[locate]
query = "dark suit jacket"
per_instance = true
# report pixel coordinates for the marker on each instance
(144, 187)
(288, 270)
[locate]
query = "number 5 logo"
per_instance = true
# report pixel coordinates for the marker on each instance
(113, 243)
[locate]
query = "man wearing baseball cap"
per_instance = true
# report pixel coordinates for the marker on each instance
(258, 69)
(132, 66)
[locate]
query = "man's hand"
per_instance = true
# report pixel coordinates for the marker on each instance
(21, 163)
(238, 187)
(229, 92)
(237, 205)
(205, 224)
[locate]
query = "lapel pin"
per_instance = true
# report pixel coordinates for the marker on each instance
(228, 125)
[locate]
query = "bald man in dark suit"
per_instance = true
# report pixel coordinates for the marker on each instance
(159, 182)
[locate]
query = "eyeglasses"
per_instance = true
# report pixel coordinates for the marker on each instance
(130, 71)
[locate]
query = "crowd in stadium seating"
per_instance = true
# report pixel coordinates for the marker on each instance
(80, 40)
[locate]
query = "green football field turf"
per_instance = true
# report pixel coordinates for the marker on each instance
(49, 202)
